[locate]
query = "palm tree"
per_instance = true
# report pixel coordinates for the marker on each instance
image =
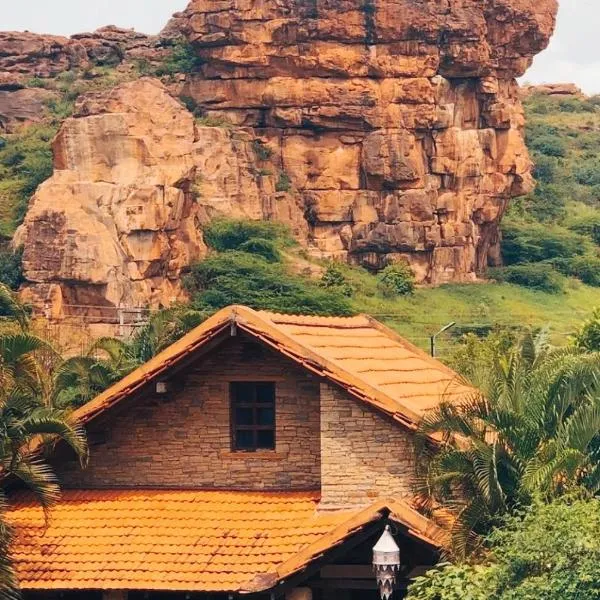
(27, 424)
(531, 428)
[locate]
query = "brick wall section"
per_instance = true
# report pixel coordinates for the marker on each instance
(363, 455)
(185, 442)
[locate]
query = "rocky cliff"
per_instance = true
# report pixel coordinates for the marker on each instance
(378, 129)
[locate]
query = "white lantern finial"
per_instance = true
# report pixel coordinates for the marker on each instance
(386, 563)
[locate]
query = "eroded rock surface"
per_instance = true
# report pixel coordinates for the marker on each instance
(398, 122)
(117, 221)
(134, 180)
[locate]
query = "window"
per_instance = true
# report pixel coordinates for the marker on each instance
(252, 416)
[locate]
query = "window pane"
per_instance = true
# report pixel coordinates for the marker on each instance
(266, 416)
(244, 440)
(242, 392)
(266, 439)
(244, 416)
(265, 393)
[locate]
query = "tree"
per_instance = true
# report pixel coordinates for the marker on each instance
(531, 428)
(27, 422)
(519, 566)
(588, 336)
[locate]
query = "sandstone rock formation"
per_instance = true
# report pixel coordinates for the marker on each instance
(117, 221)
(554, 90)
(28, 59)
(398, 122)
(134, 180)
(380, 130)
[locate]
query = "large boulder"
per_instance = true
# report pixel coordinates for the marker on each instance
(369, 105)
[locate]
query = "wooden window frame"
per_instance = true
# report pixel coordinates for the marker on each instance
(255, 406)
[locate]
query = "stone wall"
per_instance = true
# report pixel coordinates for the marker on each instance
(184, 441)
(364, 455)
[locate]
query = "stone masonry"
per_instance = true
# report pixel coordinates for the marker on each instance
(184, 441)
(364, 456)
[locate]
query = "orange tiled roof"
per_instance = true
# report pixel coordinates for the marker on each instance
(184, 540)
(366, 358)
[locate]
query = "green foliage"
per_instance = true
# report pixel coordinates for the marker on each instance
(549, 145)
(183, 59)
(588, 173)
(11, 268)
(261, 247)
(453, 582)
(585, 268)
(334, 279)
(284, 183)
(530, 430)
(551, 551)
(228, 234)
(235, 277)
(396, 280)
(588, 336)
(262, 151)
(61, 108)
(538, 276)
(25, 162)
(533, 242)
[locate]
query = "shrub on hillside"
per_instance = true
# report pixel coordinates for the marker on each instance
(236, 277)
(334, 279)
(545, 168)
(183, 59)
(588, 173)
(586, 268)
(226, 234)
(396, 280)
(545, 204)
(541, 277)
(25, 162)
(11, 268)
(525, 242)
(549, 145)
(588, 336)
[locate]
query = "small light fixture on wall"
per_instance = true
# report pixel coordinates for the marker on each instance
(162, 387)
(386, 563)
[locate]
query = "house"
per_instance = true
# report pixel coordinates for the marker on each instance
(260, 456)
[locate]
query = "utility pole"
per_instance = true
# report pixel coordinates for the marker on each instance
(442, 330)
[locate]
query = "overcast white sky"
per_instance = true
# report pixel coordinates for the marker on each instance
(574, 55)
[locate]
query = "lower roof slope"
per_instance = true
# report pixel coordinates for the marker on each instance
(184, 540)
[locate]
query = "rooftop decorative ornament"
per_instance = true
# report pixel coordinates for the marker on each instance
(386, 563)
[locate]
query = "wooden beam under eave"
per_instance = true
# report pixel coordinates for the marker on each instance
(114, 595)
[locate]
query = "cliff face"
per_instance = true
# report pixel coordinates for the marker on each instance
(398, 122)
(378, 129)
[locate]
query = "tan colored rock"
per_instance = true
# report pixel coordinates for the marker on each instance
(117, 223)
(398, 122)
(22, 106)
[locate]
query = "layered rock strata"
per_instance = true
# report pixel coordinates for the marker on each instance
(135, 178)
(397, 122)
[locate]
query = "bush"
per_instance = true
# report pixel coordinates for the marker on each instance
(241, 278)
(25, 162)
(11, 268)
(545, 168)
(551, 552)
(183, 59)
(549, 145)
(396, 280)
(588, 336)
(541, 277)
(229, 234)
(533, 242)
(284, 183)
(588, 173)
(585, 268)
(546, 203)
(334, 279)
(261, 247)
